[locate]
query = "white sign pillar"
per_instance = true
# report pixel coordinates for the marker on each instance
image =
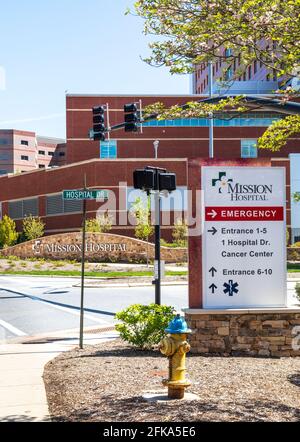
(244, 237)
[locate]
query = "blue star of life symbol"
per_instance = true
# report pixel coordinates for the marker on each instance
(230, 287)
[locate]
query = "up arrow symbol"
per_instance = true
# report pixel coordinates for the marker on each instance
(213, 271)
(213, 287)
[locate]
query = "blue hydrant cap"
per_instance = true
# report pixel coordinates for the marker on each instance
(177, 325)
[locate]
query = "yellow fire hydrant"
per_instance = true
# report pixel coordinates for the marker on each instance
(175, 346)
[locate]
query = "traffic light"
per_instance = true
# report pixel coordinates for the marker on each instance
(167, 181)
(131, 117)
(144, 179)
(98, 123)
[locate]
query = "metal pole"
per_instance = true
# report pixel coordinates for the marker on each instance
(156, 144)
(211, 117)
(157, 242)
(82, 269)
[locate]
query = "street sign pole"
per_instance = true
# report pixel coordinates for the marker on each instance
(82, 269)
(157, 242)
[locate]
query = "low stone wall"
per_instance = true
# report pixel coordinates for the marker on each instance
(100, 247)
(272, 333)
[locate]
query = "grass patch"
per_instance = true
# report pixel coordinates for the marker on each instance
(90, 274)
(293, 267)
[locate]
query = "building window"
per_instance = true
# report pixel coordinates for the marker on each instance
(24, 158)
(51, 154)
(4, 156)
(24, 142)
(3, 172)
(244, 76)
(227, 53)
(255, 66)
(248, 149)
(108, 149)
(62, 154)
(56, 205)
(3, 141)
(249, 72)
(42, 166)
(228, 74)
(22, 208)
(41, 152)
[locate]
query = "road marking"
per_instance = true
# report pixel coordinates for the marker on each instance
(58, 307)
(12, 329)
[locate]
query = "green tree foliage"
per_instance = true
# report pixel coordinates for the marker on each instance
(296, 197)
(277, 135)
(236, 32)
(33, 227)
(142, 214)
(180, 233)
(101, 224)
(8, 233)
(197, 31)
(143, 325)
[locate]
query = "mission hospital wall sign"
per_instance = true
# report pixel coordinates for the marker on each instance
(244, 237)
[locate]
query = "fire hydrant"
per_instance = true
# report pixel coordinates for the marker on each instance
(175, 346)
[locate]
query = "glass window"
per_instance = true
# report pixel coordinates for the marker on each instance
(3, 172)
(20, 209)
(24, 158)
(41, 152)
(42, 166)
(248, 148)
(3, 141)
(51, 154)
(24, 142)
(108, 149)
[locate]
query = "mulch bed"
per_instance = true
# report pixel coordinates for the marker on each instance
(105, 383)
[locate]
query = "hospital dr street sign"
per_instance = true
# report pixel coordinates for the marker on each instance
(85, 194)
(244, 237)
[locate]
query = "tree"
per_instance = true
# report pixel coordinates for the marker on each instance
(101, 224)
(197, 31)
(296, 197)
(180, 232)
(33, 227)
(237, 32)
(142, 213)
(8, 233)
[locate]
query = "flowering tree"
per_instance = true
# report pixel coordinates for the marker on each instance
(237, 32)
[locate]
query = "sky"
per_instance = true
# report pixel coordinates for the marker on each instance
(52, 47)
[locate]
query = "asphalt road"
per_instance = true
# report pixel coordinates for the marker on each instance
(30, 306)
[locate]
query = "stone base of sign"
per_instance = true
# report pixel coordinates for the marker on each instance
(100, 247)
(250, 332)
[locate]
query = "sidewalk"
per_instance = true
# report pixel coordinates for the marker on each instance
(22, 392)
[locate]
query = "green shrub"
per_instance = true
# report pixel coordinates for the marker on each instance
(180, 233)
(297, 288)
(143, 325)
(33, 227)
(8, 233)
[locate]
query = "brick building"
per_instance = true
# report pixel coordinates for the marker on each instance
(22, 151)
(109, 165)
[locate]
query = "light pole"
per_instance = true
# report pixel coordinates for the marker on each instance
(156, 144)
(211, 116)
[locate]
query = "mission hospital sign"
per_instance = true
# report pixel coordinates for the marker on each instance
(40, 247)
(244, 237)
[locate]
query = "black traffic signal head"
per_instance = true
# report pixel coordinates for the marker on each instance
(143, 179)
(131, 107)
(130, 117)
(98, 123)
(167, 181)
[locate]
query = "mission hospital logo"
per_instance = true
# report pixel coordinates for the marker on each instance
(241, 192)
